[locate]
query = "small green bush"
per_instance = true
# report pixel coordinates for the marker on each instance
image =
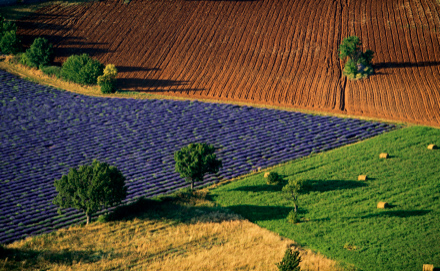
(290, 261)
(293, 217)
(274, 178)
(82, 69)
(39, 54)
(107, 81)
(9, 43)
(51, 70)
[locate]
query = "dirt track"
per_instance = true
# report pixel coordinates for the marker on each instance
(269, 52)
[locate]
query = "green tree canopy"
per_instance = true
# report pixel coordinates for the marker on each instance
(195, 160)
(90, 188)
(358, 62)
(9, 42)
(40, 53)
(295, 187)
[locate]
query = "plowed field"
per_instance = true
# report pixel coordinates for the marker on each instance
(265, 52)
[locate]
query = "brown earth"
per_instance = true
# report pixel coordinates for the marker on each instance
(281, 53)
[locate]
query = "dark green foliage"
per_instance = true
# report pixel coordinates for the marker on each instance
(293, 217)
(51, 70)
(107, 81)
(366, 58)
(358, 64)
(9, 43)
(90, 188)
(290, 261)
(82, 69)
(274, 178)
(295, 187)
(107, 86)
(351, 48)
(39, 54)
(350, 69)
(195, 160)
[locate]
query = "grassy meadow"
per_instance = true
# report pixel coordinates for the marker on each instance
(179, 232)
(339, 213)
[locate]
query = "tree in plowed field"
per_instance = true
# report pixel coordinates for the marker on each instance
(358, 64)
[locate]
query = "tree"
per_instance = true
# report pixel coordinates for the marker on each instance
(90, 188)
(9, 42)
(358, 62)
(293, 188)
(290, 261)
(82, 69)
(195, 160)
(40, 53)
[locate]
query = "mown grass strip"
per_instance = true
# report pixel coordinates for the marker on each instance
(339, 214)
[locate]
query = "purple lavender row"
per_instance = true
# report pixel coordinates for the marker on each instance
(44, 132)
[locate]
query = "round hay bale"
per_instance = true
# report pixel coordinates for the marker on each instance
(428, 267)
(266, 174)
(432, 147)
(383, 155)
(362, 177)
(382, 205)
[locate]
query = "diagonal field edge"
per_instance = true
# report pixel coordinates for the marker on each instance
(45, 131)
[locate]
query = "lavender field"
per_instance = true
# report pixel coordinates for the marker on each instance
(45, 131)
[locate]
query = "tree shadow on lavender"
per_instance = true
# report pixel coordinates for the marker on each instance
(29, 258)
(333, 185)
(398, 213)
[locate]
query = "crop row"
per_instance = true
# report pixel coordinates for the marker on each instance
(44, 132)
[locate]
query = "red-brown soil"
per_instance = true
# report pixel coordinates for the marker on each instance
(282, 53)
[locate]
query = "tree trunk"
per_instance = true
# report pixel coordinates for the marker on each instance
(88, 218)
(192, 184)
(295, 207)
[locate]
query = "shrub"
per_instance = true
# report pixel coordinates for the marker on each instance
(39, 54)
(9, 42)
(274, 178)
(82, 69)
(107, 81)
(51, 70)
(293, 217)
(290, 261)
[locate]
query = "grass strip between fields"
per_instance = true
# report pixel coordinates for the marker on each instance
(339, 214)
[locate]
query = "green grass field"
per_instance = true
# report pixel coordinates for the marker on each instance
(339, 214)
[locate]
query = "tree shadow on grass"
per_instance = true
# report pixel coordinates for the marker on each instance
(399, 213)
(260, 213)
(29, 258)
(180, 207)
(332, 185)
(260, 188)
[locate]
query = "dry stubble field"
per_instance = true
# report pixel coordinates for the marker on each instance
(280, 53)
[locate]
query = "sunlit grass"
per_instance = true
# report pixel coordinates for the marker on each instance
(339, 214)
(182, 233)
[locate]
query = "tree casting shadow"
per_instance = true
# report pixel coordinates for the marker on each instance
(399, 213)
(333, 185)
